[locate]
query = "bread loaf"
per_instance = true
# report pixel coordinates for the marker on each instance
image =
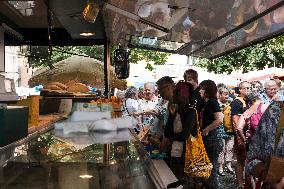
(71, 82)
(60, 85)
(52, 87)
(77, 87)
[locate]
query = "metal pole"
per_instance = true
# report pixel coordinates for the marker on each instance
(107, 68)
(106, 155)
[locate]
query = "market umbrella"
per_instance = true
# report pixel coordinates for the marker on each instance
(260, 74)
(83, 69)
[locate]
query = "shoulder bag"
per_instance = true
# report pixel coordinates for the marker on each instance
(197, 163)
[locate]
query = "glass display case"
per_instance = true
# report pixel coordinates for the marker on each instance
(78, 160)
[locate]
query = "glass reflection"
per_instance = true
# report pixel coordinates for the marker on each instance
(194, 22)
(265, 26)
(56, 161)
(24, 7)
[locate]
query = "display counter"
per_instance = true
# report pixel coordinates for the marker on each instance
(49, 159)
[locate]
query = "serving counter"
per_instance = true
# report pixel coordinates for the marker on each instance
(52, 160)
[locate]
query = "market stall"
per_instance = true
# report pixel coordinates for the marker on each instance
(199, 28)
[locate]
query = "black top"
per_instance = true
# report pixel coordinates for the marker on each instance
(196, 100)
(237, 107)
(188, 121)
(210, 107)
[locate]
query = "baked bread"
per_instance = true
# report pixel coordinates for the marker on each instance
(60, 85)
(77, 87)
(71, 82)
(52, 87)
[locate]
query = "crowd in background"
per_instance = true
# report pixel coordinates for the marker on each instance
(166, 114)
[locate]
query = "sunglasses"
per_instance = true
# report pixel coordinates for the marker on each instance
(248, 88)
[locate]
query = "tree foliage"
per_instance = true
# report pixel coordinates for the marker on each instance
(40, 56)
(266, 54)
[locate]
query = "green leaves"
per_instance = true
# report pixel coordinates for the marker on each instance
(39, 55)
(159, 58)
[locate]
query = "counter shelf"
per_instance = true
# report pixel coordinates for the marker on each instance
(45, 159)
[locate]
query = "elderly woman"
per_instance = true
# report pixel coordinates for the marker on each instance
(226, 155)
(268, 140)
(249, 120)
(130, 103)
(212, 118)
(131, 106)
(251, 117)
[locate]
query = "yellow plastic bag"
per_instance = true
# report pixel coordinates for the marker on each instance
(197, 163)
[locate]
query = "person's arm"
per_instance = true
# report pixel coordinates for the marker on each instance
(149, 112)
(240, 126)
(169, 130)
(241, 122)
(264, 107)
(216, 123)
(214, 108)
(236, 112)
(235, 120)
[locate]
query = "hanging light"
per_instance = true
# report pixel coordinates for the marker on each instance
(91, 11)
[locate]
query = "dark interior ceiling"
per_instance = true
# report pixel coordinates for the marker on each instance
(195, 27)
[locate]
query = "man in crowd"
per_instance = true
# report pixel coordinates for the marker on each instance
(191, 76)
(165, 87)
(152, 111)
(238, 107)
(150, 99)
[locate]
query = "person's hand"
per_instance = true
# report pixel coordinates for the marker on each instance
(135, 115)
(241, 138)
(172, 109)
(205, 131)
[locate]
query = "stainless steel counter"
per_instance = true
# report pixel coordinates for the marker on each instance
(82, 161)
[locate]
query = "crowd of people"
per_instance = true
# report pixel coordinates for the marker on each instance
(241, 126)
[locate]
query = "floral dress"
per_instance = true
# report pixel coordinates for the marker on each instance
(157, 122)
(262, 145)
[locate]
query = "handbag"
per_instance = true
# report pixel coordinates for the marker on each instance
(275, 170)
(197, 162)
(177, 124)
(275, 165)
(177, 148)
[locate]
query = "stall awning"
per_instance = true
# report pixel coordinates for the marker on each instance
(260, 74)
(191, 27)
